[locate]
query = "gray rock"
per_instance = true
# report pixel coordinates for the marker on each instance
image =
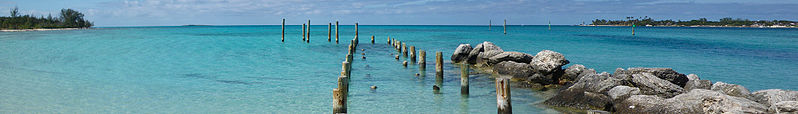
(548, 61)
(483, 47)
(482, 58)
(787, 107)
(461, 53)
(514, 69)
(580, 99)
(622, 92)
(651, 85)
(731, 89)
(696, 101)
(510, 56)
(598, 83)
(773, 96)
(597, 112)
(698, 84)
(663, 73)
(692, 77)
(573, 71)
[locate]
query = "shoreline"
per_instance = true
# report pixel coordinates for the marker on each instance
(47, 29)
(708, 26)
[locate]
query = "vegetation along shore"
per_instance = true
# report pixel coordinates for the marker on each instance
(68, 18)
(632, 90)
(702, 22)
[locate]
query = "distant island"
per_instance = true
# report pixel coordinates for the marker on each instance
(702, 22)
(68, 19)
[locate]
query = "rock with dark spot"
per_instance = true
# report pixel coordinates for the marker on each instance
(461, 53)
(651, 85)
(663, 73)
(698, 84)
(483, 47)
(773, 96)
(548, 61)
(510, 56)
(514, 69)
(731, 89)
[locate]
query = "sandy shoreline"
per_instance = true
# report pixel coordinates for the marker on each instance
(25, 30)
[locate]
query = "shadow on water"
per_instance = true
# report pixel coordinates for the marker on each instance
(696, 46)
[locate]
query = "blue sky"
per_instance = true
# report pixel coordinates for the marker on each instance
(399, 12)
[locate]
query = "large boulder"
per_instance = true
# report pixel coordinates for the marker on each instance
(461, 53)
(510, 56)
(482, 58)
(572, 72)
(773, 96)
(580, 99)
(698, 84)
(785, 107)
(663, 73)
(514, 69)
(622, 92)
(692, 77)
(651, 85)
(598, 83)
(548, 61)
(696, 101)
(483, 47)
(731, 89)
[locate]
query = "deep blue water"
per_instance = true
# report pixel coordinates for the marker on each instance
(246, 69)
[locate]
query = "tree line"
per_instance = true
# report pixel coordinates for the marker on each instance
(68, 18)
(641, 21)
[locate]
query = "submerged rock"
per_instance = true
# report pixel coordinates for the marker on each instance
(514, 69)
(510, 56)
(461, 53)
(548, 61)
(651, 85)
(483, 47)
(663, 73)
(773, 96)
(731, 89)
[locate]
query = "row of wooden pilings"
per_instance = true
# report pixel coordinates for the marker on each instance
(306, 32)
(341, 93)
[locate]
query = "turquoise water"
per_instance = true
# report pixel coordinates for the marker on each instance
(246, 69)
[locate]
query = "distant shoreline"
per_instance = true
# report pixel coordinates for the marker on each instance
(47, 29)
(696, 26)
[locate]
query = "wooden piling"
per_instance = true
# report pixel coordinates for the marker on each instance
(422, 61)
(283, 33)
(372, 39)
(404, 50)
(336, 32)
(308, 31)
(464, 79)
(439, 63)
(303, 32)
(389, 39)
(505, 26)
(412, 53)
(490, 24)
(339, 102)
(329, 32)
(503, 96)
(356, 30)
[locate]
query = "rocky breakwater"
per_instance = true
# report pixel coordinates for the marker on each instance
(632, 90)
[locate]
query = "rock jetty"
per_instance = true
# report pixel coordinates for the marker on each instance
(631, 90)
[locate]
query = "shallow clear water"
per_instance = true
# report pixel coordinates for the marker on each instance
(246, 69)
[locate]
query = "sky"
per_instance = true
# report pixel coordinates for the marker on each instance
(399, 12)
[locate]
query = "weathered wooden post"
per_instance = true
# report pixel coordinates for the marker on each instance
(329, 32)
(464, 79)
(422, 61)
(372, 39)
(503, 96)
(412, 53)
(283, 34)
(356, 30)
(336, 32)
(505, 26)
(339, 101)
(308, 31)
(490, 24)
(303, 32)
(439, 63)
(404, 50)
(389, 39)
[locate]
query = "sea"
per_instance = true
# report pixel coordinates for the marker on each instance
(248, 69)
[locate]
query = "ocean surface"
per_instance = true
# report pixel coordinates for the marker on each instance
(246, 69)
